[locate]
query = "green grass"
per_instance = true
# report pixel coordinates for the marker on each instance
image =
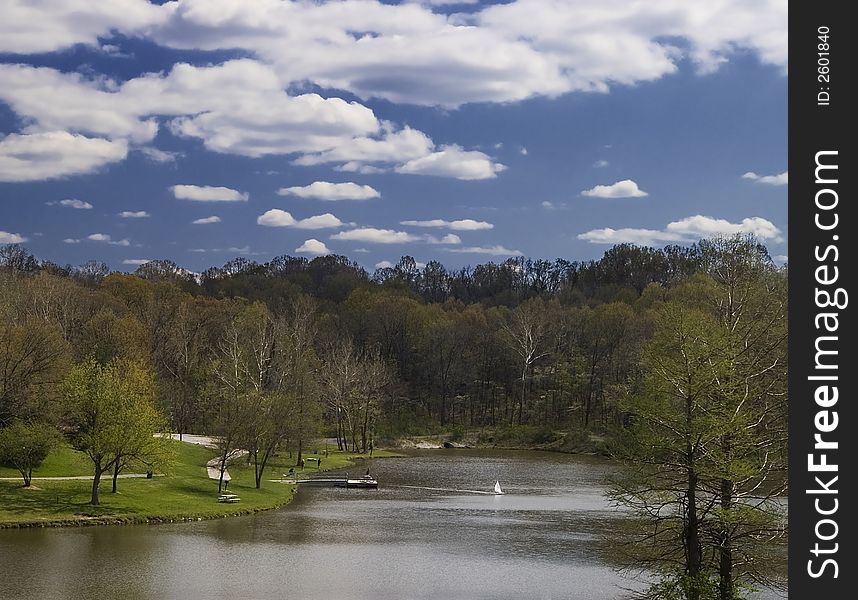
(186, 493)
(63, 461)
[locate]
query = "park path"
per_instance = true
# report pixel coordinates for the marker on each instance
(81, 477)
(212, 466)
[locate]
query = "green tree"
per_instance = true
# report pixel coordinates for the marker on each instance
(672, 429)
(24, 446)
(111, 410)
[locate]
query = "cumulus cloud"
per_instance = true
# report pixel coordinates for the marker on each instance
(314, 247)
(281, 218)
(134, 214)
(323, 190)
(237, 107)
(11, 238)
(450, 238)
(53, 154)
(496, 250)
(373, 235)
(779, 179)
(30, 27)
(208, 193)
(206, 220)
(453, 161)
(689, 229)
(621, 189)
(103, 237)
(600, 164)
(136, 261)
(384, 264)
(71, 203)
(406, 53)
(458, 225)
(389, 146)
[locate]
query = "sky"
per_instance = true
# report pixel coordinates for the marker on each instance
(463, 132)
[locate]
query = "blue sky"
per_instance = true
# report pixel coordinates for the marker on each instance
(460, 132)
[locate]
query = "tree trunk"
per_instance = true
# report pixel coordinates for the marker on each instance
(28, 477)
(725, 562)
(692, 538)
(96, 481)
(116, 469)
(523, 393)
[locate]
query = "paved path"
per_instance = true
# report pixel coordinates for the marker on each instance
(201, 440)
(82, 477)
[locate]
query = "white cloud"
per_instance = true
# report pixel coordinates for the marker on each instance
(498, 53)
(643, 237)
(71, 203)
(373, 235)
(450, 238)
(458, 225)
(238, 107)
(11, 238)
(323, 190)
(208, 193)
(600, 164)
(356, 167)
(699, 226)
(384, 264)
(779, 179)
(159, 156)
(136, 261)
(134, 214)
(496, 250)
(522, 151)
(29, 27)
(781, 259)
(453, 161)
(689, 229)
(388, 147)
(103, 237)
(361, 250)
(281, 218)
(621, 189)
(407, 53)
(314, 247)
(53, 154)
(206, 220)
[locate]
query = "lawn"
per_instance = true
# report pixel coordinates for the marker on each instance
(185, 493)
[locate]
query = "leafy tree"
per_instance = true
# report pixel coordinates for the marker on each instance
(25, 446)
(672, 430)
(111, 411)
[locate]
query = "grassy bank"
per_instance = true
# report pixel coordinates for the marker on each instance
(186, 493)
(518, 437)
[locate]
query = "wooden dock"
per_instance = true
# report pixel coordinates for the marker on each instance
(362, 482)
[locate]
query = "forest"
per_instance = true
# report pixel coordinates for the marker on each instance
(674, 358)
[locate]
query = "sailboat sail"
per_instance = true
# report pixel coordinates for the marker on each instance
(498, 489)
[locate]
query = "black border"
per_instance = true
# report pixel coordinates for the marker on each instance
(814, 128)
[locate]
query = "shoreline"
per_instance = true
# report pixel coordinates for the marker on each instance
(186, 495)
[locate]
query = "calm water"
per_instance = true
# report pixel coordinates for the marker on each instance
(396, 543)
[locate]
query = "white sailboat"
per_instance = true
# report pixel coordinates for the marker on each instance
(498, 489)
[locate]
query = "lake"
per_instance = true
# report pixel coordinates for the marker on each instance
(403, 541)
